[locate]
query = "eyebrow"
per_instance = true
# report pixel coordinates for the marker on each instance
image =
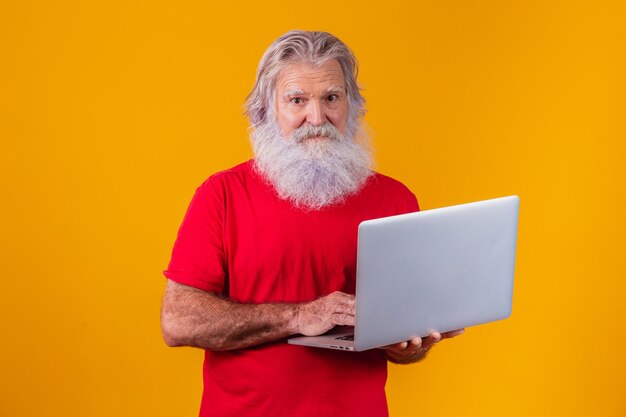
(292, 93)
(334, 89)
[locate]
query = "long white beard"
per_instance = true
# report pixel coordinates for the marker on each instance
(312, 172)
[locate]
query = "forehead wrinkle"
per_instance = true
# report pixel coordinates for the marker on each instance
(294, 76)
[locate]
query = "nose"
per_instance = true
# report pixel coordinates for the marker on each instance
(315, 113)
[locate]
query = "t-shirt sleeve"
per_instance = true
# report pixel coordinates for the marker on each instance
(411, 204)
(198, 255)
(406, 202)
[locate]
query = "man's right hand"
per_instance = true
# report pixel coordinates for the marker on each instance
(192, 317)
(319, 316)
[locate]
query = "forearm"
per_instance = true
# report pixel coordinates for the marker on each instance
(191, 317)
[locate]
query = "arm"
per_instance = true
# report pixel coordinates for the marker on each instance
(192, 317)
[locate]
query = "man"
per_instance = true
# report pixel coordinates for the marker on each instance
(267, 249)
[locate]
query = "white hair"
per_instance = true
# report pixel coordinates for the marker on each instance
(314, 48)
(315, 167)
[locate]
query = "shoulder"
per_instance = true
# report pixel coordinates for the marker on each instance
(388, 185)
(237, 173)
(228, 179)
(215, 190)
(391, 191)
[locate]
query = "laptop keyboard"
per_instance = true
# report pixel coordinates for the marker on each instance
(346, 337)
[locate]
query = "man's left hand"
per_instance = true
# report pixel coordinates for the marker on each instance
(415, 349)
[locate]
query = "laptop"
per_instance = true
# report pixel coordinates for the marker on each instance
(433, 270)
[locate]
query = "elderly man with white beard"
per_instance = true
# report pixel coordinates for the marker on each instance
(267, 249)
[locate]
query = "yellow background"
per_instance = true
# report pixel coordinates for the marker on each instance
(111, 113)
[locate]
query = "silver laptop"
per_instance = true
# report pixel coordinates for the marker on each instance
(434, 270)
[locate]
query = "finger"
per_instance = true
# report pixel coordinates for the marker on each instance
(392, 349)
(336, 303)
(453, 333)
(343, 319)
(349, 298)
(399, 353)
(342, 309)
(416, 342)
(343, 302)
(434, 337)
(396, 347)
(389, 347)
(431, 339)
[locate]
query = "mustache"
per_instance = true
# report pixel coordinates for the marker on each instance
(308, 131)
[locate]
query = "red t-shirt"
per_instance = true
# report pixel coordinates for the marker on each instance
(239, 239)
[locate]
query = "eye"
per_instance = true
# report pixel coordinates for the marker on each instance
(332, 98)
(296, 100)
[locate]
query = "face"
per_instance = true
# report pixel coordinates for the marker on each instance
(311, 95)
